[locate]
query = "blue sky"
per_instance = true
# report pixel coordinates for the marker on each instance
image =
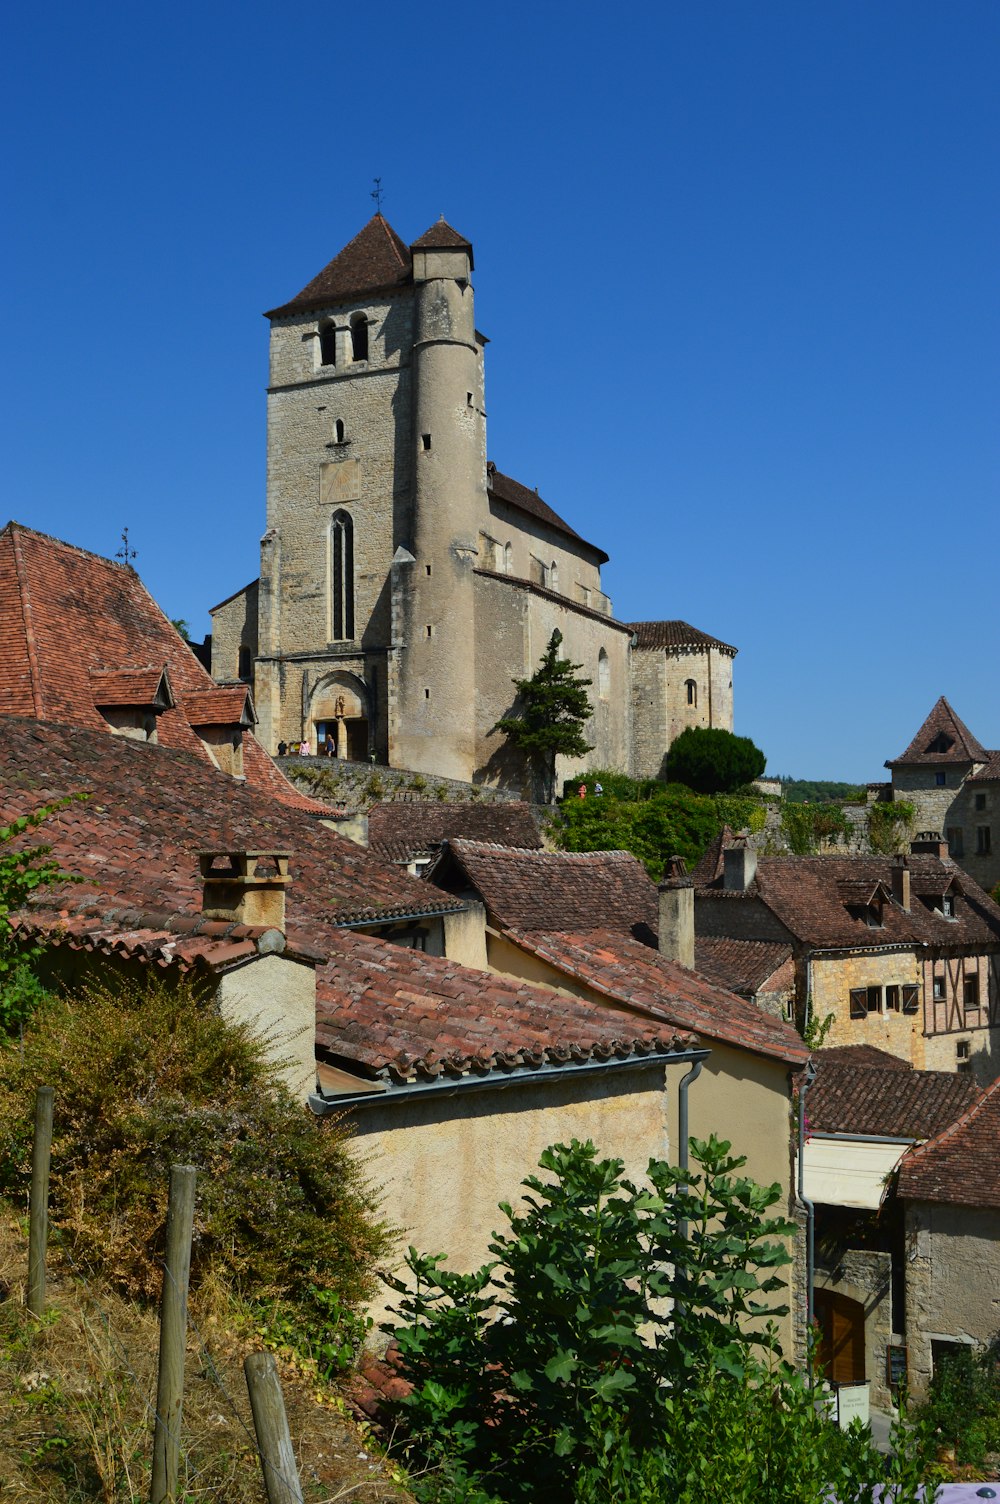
(737, 261)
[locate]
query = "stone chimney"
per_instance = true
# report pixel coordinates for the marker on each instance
(245, 887)
(676, 895)
(901, 882)
(739, 864)
(929, 843)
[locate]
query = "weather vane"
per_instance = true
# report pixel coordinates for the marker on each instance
(125, 553)
(377, 194)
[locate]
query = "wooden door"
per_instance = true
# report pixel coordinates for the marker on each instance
(842, 1337)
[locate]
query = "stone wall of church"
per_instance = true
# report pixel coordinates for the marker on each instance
(648, 682)
(513, 629)
(710, 702)
(514, 543)
(234, 626)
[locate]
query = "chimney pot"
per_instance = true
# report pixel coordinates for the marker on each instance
(245, 887)
(901, 882)
(676, 914)
(739, 863)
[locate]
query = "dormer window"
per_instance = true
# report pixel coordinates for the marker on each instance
(130, 700)
(219, 718)
(941, 744)
(948, 906)
(359, 337)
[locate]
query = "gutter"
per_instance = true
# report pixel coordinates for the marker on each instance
(808, 1079)
(412, 1092)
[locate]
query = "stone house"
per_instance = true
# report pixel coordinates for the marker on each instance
(405, 579)
(866, 1111)
(953, 782)
(901, 953)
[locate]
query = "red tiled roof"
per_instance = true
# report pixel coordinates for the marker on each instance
(400, 831)
(151, 810)
(990, 772)
(810, 894)
(375, 260)
(861, 1054)
(441, 236)
(137, 686)
(505, 489)
(398, 1012)
(552, 890)
(960, 1167)
(741, 966)
(163, 940)
(884, 1101)
(67, 615)
(640, 979)
(226, 705)
(950, 738)
(674, 634)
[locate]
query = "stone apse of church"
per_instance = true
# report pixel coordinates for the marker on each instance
(402, 586)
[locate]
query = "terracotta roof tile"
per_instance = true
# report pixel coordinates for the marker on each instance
(375, 260)
(441, 236)
(674, 634)
(810, 895)
(508, 490)
(741, 966)
(960, 1167)
(226, 705)
(861, 1054)
(882, 1100)
(943, 738)
(406, 1015)
(137, 686)
(639, 978)
(69, 618)
(400, 831)
(552, 890)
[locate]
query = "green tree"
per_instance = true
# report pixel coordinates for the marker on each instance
(22, 870)
(712, 761)
(551, 711)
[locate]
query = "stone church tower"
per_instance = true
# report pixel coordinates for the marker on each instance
(405, 580)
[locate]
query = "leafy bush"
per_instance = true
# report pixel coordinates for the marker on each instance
(819, 791)
(712, 761)
(963, 1408)
(148, 1076)
(615, 1350)
(23, 869)
(806, 826)
(890, 825)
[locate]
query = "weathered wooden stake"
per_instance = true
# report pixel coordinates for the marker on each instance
(38, 1234)
(173, 1335)
(274, 1444)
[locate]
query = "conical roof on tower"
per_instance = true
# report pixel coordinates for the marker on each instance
(376, 260)
(442, 237)
(943, 738)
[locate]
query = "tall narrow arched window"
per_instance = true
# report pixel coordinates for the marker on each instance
(553, 580)
(603, 675)
(692, 691)
(339, 431)
(508, 559)
(327, 345)
(342, 549)
(359, 337)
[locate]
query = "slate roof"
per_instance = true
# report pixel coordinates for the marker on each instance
(884, 1101)
(151, 810)
(958, 744)
(402, 1014)
(674, 634)
(551, 890)
(960, 1166)
(376, 260)
(69, 618)
(508, 490)
(400, 831)
(741, 966)
(809, 895)
(639, 978)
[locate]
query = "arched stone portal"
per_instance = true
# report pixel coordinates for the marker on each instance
(338, 709)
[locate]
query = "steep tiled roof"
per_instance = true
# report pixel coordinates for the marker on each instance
(990, 772)
(226, 705)
(399, 832)
(398, 1012)
(70, 619)
(712, 864)
(741, 966)
(639, 978)
(375, 260)
(505, 489)
(943, 738)
(810, 894)
(552, 890)
(138, 686)
(151, 810)
(881, 1100)
(960, 1167)
(861, 1054)
(674, 634)
(441, 236)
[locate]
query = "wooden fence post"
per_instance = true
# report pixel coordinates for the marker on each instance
(173, 1335)
(274, 1444)
(41, 1155)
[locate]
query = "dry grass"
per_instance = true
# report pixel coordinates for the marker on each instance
(77, 1388)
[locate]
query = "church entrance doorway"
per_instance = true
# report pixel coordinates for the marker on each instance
(339, 715)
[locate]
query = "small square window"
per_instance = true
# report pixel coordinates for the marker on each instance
(970, 993)
(425, 440)
(948, 906)
(892, 999)
(982, 840)
(939, 780)
(859, 1002)
(980, 801)
(874, 999)
(938, 988)
(911, 998)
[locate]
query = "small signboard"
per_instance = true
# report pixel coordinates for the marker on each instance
(852, 1404)
(895, 1369)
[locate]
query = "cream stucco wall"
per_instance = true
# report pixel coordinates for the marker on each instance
(952, 1281)
(276, 998)
(446, 1161)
